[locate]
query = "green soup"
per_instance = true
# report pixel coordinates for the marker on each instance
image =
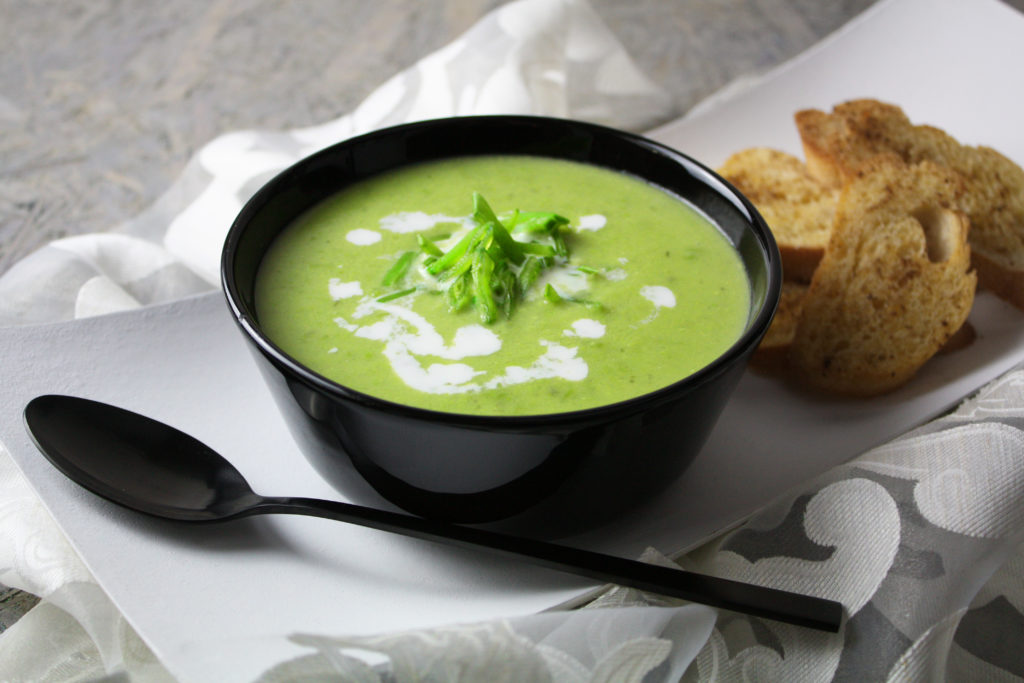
(650, 293)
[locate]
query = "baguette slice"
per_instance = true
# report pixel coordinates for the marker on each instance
(894, 285)
(771, 353)
(838, 144)
(798, 209)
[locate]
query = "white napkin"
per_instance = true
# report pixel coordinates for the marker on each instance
(922, 539)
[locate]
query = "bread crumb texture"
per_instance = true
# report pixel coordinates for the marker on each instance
(894, 285)
(885, 228)
(797, 207)
(838, 144)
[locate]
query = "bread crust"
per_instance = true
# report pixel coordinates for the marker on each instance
(772, 353)
(838, 144)
(797, 208)
(895, 283)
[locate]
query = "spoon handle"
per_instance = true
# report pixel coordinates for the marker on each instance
(771, 603)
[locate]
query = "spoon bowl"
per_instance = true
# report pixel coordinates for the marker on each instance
(153, 468)
(135, 462)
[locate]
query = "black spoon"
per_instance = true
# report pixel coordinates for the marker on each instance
(153, 468)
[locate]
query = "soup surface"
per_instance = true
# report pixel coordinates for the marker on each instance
(650, 292)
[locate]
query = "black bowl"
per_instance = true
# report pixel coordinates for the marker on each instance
(569, 469)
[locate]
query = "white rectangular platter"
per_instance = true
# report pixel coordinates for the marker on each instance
(218, 602)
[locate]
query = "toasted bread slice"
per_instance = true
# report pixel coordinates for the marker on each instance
(771, 353)
(895, 282)
(838, 144)
(798, 209)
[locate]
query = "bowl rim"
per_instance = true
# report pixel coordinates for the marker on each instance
(750, 337)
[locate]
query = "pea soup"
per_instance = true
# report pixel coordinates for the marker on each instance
(503, 285)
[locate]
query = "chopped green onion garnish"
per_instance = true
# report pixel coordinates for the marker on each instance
(482, 211)
(395, 295)
(459, 293)
(535, 221)
(513, 250)
(481, 237)
(504, 285)
(561, 249)
(428, 247)
(537, 249)
(529, 273)
(483, 295)
(484, 215)
(549, 224)
(456, 252)
(488, 266)
(397, 271)
(552, 295)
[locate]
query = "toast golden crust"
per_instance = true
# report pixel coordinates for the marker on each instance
(839, 143)
(797, 208)
(894, 285)
(771, 353)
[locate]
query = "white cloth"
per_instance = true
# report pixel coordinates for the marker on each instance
(920, 539)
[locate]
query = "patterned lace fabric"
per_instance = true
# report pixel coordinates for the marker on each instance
(922, 539)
